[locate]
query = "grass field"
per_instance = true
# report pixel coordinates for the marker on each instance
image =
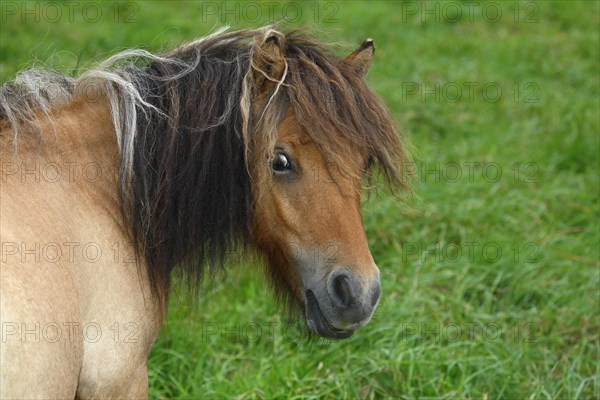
(490, 272)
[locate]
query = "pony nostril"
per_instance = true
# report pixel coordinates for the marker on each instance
(342, 290)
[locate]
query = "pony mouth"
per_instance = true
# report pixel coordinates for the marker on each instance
(318, 324)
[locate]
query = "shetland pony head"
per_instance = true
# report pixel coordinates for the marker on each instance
(253, 137)
(320, 134)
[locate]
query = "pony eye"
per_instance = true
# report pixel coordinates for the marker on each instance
(281, 164)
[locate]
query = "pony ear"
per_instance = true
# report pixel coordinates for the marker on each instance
(361, 58)
(267, 60)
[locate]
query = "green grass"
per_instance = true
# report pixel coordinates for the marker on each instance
(452, 323)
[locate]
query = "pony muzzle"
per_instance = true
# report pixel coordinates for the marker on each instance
(345, 303)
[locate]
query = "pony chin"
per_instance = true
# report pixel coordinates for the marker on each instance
(318, 324)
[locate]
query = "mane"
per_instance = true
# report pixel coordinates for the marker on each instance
(193, 159)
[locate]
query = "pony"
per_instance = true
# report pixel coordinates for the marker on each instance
(148, 167)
